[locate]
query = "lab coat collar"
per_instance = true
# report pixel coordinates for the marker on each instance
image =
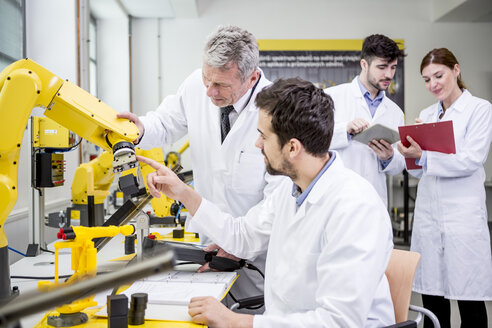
(301, 196)
(247, 98)
(317, 193)
(367, 95)
(250, 107)
(460, 103)
(241, 103)
(357, 94)
(262, 83)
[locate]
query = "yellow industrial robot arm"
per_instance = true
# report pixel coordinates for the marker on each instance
(93, 179)
(25, 85)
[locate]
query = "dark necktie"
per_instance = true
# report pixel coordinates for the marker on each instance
(225, 124)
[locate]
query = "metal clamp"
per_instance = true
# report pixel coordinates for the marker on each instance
(142, 223)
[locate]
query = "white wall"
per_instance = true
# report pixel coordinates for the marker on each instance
(51, 42)
(182, 40)
(113, 60)
(145, 65)
(147, 73)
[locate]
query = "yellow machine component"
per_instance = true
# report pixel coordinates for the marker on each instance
(83, 260)
(162, 205)
(48, 133)
(75, 215)
(174, 158)
(49, 140)
(188, 237)
(25, 85)
(93, 179)
(119, 198)
(49, 170)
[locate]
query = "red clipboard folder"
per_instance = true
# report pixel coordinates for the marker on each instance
(437, 136)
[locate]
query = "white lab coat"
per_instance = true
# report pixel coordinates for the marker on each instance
(326, 261)
(350, 104)
(450, 223)
(231, 174)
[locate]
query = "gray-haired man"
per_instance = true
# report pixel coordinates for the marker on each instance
(227, 167)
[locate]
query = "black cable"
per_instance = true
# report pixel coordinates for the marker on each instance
(35, 150)
(181, 263)
(47, 278)
(46, 250)
(39, 278)
(253, 307)
(252, 267)
(63, 150)
(233, 298)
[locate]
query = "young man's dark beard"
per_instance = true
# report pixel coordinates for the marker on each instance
(286, 169)
(376, 85)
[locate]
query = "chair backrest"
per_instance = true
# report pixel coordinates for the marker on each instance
(400, 272)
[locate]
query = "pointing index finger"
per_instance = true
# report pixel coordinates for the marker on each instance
(150, 162)
(160, 169)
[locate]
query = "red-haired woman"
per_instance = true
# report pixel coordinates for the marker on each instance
(450, 222)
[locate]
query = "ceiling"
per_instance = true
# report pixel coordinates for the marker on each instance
(107, 9)
(462, 10)
(442, 10)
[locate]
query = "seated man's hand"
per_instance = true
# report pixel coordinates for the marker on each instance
(134, 118)
(220, 252)
(209, 311)
(357, 126)
(166, 181)
(382, 148)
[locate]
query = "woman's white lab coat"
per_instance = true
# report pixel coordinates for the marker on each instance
(231, 174)
(350, 104)
(326, 260)
(450, 222)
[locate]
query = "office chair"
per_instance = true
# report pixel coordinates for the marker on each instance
(400, 272)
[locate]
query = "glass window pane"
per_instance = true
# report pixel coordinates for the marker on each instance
(11, 28)
(93, 78)
(92, 39)
(4, 62)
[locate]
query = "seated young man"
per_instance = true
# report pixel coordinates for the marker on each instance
(327, 232)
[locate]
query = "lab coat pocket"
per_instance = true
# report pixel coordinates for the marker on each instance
(249, 173)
